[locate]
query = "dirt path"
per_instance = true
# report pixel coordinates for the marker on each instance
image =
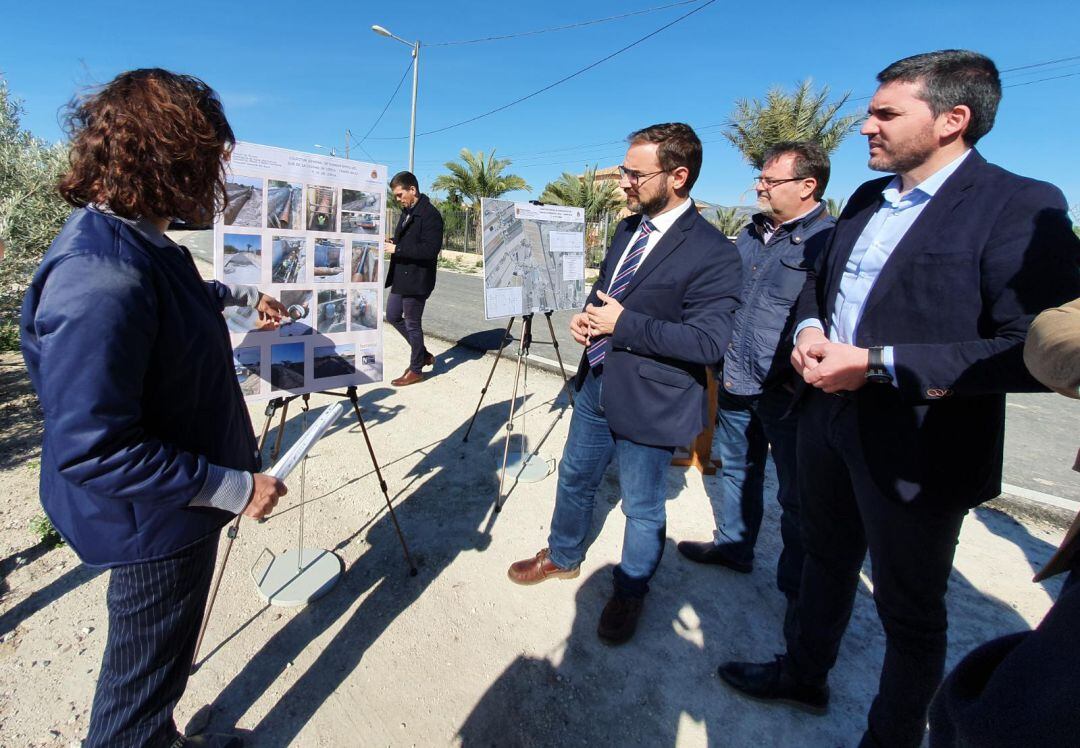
(457, 654)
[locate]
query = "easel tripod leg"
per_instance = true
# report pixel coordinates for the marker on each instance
(558, 357)
(382, 483)
(231, 534)
(483, 391)
(510, 420)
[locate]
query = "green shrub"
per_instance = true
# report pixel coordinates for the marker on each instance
(43, 530)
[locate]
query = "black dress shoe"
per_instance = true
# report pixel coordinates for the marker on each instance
(208, 740)
(619, 619)
(769, 681)
(708, 552)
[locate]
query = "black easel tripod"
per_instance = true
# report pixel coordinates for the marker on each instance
(524, 343)
(272, 407)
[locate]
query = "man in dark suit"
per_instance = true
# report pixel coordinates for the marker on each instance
(659, 314)
(413, 266)
(912, 332)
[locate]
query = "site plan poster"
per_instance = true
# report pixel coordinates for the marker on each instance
(306, 229)
(534, 258)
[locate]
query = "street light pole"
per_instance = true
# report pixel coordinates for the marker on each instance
(415, 85)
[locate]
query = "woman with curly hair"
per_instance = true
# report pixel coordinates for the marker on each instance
(148, 450)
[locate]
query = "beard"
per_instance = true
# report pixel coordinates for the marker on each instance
(905, 157)
(650, 206)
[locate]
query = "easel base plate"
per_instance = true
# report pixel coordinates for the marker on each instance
(526, 468)
(298, 577)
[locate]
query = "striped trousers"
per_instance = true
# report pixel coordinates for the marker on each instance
(155, 609)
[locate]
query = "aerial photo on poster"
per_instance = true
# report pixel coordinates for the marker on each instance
(244, 207)
(534, 258)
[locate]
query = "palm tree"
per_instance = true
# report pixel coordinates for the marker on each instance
(477, 176)
(802, 114)
(596, 197)
(730, 221)
(835, 207)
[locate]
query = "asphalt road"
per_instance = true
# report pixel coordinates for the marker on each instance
(1042, 432)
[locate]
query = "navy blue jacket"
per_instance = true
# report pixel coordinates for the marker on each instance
(129, 354)
(676, 321)
(418, 239)
(774, 274)
(955, 300)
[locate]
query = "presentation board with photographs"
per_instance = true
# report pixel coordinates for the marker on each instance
(307, 230)
(534, 258)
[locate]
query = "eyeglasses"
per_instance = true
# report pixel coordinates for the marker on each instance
(636, 177)
(770, 183)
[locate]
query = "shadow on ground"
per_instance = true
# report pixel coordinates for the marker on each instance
(436, 495)
(20, 414)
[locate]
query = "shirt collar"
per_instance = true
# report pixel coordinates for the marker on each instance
(928, 187)
(142, 226)
(665, 221)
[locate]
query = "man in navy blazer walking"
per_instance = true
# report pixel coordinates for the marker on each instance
(659, 315)
(912, 330)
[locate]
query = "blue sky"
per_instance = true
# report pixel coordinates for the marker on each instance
(293, 76)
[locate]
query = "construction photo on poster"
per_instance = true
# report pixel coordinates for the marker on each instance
(307, 230)
(534, 258)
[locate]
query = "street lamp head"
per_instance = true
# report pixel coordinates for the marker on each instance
(380, 30)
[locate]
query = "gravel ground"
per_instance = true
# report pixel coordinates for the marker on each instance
(457, 654)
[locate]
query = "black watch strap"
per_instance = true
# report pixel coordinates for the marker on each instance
(875, 366)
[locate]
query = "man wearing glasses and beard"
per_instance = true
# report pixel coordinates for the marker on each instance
(660, 313)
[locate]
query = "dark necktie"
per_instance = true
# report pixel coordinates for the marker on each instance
(599, 348)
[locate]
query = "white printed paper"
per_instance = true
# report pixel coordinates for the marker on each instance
(567, 241)
(503, 302)
(573, 267)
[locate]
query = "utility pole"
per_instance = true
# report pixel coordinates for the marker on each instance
(348, 137)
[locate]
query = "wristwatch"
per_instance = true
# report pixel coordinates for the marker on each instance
(875, 366)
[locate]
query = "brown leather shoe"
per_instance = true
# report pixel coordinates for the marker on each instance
(409, 377)
(429, 360)
(538, 569)
(619, 619)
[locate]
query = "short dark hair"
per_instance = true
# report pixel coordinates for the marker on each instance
(811, 160)
(953, 77)
(149, 144)
(405, 180)
(678, 145)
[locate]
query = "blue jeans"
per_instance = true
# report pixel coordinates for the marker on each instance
(642, 472)
(747, 426)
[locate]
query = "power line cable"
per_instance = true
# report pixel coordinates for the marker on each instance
(388, 103)
(1040, 64)
(562, 80)
(568, 26)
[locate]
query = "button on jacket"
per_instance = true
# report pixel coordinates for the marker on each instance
(774, 273)
(128, 351)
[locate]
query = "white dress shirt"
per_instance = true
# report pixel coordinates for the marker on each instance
(662, 223)
(875, 245)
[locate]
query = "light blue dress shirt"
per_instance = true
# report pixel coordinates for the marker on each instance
(872, 250)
